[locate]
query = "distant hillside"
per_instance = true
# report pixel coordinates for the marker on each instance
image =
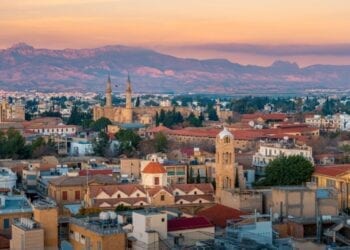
(24, 67)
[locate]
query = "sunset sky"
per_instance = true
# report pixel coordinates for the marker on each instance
(177, 27)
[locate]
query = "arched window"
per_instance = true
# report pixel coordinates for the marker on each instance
(226, 139)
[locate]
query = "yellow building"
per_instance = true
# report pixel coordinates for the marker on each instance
(26, 235)
(335, 176)
(11, 112)
(115, 114)
(225, 168)
(11, 208)
(129, 114)
(46, 214)
(96, 234)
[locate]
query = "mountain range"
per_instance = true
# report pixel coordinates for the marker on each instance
(23, 67)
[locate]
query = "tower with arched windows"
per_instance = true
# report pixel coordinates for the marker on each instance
(225, 168)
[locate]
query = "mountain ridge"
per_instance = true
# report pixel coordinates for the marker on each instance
(24, 67)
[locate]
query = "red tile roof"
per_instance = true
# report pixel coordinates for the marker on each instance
(127, 189)
(272, 116)
(91, 172)
(219, 214)
(206, 188)
(158, 129)
(188, 223)
(154, 168)
(333, 170)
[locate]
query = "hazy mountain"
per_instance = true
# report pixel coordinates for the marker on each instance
(24, 67)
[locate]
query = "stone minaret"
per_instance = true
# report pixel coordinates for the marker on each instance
(128, 102)
(225, 168)
(109, 93)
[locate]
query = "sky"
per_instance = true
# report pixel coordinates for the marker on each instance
(186, 28)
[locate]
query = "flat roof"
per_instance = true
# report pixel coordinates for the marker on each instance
(15, 204)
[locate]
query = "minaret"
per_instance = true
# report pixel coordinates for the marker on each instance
(109, 92)
(225, 167)
(128, 103)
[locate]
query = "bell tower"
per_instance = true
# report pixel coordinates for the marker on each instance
(128, 102)
(225, 168)
(109, 92)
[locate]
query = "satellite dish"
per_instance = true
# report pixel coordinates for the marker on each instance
(251, 123)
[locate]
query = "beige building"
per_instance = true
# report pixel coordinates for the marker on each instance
(11, 112)
(337, 177)
(27, 235)
(225, 166)
(301, 201)
(96, 235)
(129, 114)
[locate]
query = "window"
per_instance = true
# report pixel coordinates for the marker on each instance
(6, 223)
(156, 180)
(64, 195)
(195, 192)
(163, 219)
(330, 183)
(200, 201)
(162, 197)
(137, 195)
(141, 204)
(118, 196)
(181, 202)
(77, 195)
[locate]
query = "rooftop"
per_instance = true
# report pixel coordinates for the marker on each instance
(188, 223)
(14, 204)
(154, 168)
(96, 225)
(332, 170)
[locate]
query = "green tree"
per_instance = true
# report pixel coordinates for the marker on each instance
(128, 141)
(137, 102)
(100, 124)
(212, 115)
(291, 170)
(198, 177)
(160, 142)
(193, 120)
(190, 176)
(101, 143)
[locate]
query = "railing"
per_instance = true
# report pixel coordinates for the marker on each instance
(103, 229)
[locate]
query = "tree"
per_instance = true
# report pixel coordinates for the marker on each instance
(198, 178)
(12, 145)
(100, 124)
(40, 147)
(190, 176)
(160, 142)
(193, 120)
(291, 170)
(128, 141)
(101, 143)
(212, 115)
(137, 102)
(157, 119)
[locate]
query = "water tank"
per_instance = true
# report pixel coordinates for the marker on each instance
(112, 215)
(104, 216)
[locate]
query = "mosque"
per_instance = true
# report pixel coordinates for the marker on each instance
(129, 114)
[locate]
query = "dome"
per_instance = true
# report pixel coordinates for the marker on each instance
(154, 168)
(225, 133)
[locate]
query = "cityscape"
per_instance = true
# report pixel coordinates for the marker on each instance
(174, 125)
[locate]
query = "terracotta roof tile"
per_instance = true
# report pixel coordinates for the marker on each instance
(188, 223)
(219, 214)
(333, 170)
(154, 168)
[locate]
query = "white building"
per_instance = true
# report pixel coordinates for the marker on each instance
(269, 151)
(149, 229)
(7, 178)
(81, 148)
(154, 174)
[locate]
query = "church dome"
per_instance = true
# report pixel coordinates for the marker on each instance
(154, 168)
(225, 133)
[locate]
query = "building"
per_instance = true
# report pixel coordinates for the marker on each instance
(11, 208)
(299, 201)
(337, 177)
(27, 234)
(45, 212)
(129, 114)
(149, 229)
(268, 151)
(154, 174)
(97, 233)
(72, 189)
(81, 147)
(11, 112)
(7, 179)
(225, 166)
(187, 231)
